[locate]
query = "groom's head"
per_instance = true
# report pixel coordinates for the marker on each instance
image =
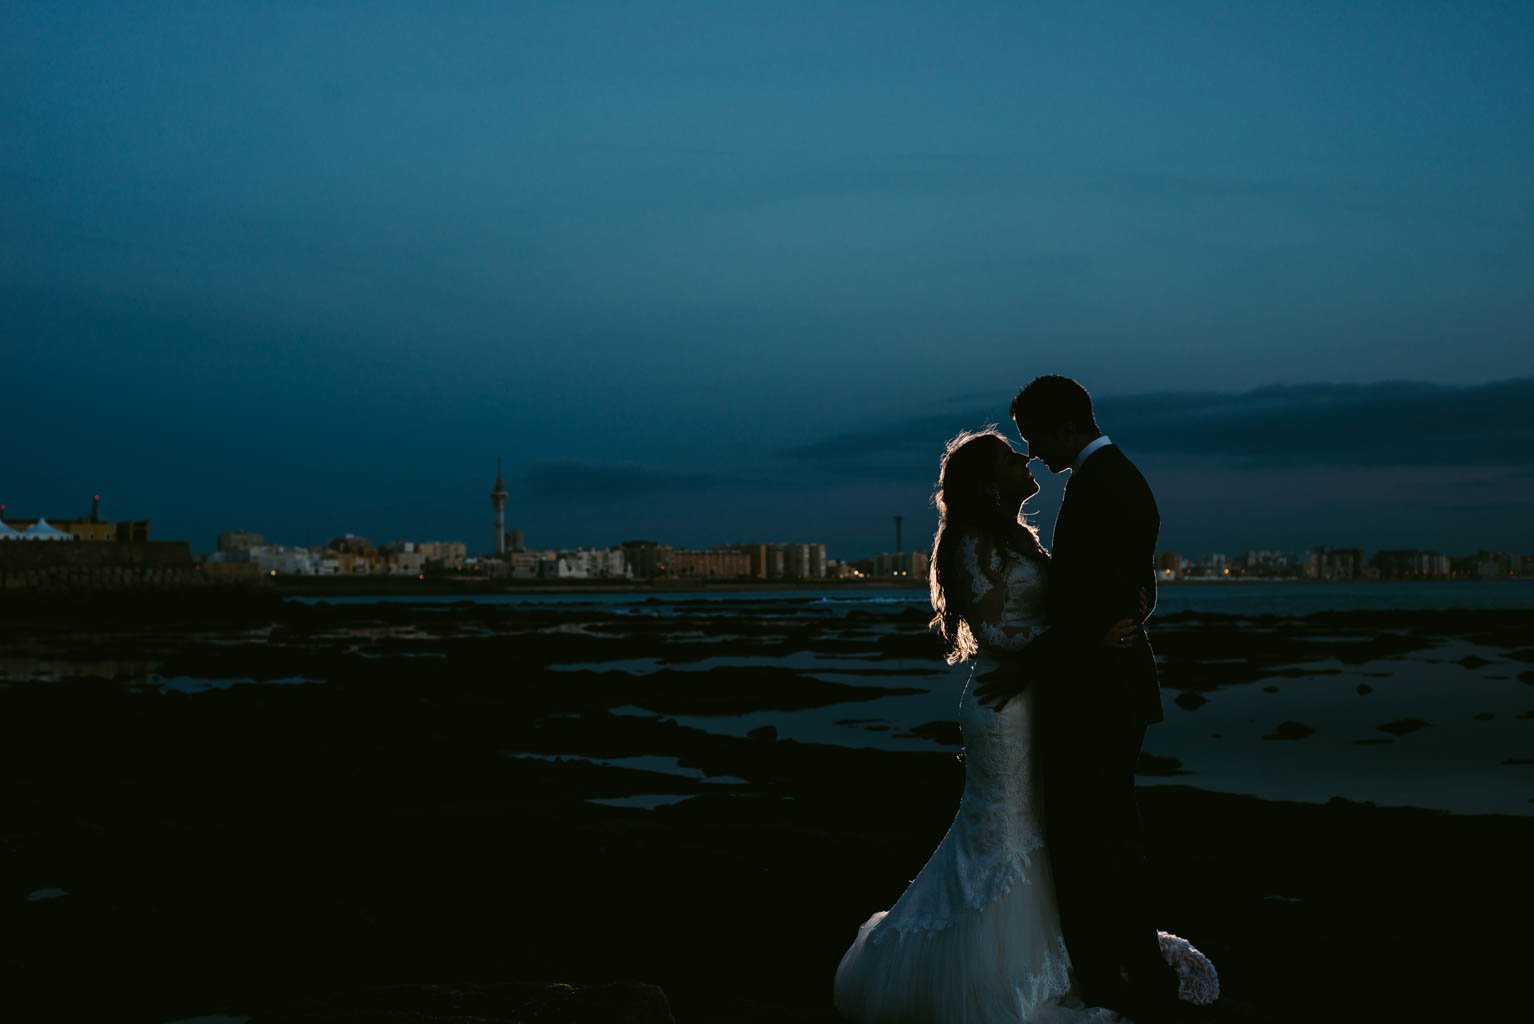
(1054, 416)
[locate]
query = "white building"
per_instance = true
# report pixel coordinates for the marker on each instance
(591, 563)
(804, 561)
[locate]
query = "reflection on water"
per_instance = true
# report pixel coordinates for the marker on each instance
(641, 763)
(822, 665)
(648, 801)
(199, 684)
(1474, 756)
(1456, 762)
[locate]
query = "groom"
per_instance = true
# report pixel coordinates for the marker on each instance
(1094, 702)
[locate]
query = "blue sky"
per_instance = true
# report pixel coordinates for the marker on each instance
(309, 268)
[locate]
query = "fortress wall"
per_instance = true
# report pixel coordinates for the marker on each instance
(64, 566)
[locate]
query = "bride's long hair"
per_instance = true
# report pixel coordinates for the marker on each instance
(968, 502)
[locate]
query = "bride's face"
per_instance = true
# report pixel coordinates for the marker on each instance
(1013, 477)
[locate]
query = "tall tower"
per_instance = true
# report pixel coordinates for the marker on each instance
(498, 499)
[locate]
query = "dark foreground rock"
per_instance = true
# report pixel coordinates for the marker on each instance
(372, 849)
(510, 1003)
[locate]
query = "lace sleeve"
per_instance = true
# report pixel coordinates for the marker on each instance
(982, 571)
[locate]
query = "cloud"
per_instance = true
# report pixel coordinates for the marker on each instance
(1390, 423)
(1384, 424)
(572, 479)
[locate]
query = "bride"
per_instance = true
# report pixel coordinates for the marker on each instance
(976, 936)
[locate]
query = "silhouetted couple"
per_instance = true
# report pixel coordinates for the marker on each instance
(1035, 905)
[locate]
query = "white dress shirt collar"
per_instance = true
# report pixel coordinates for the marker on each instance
(1085, 453)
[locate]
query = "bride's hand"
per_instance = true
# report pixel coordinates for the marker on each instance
(996, 688)
(1122, 634)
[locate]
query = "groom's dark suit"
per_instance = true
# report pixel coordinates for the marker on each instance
(1093, 706)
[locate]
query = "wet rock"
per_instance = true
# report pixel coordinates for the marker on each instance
(1485, 716)
(1403, 726)
(765, 733)
(1290, 731)
(938, 732)
(1526, 677)
(1190, 700)
(1474, 661)
(1150, 764)
(1363, 689)
(512, 1003)
(1270, 689)
(727, 690)
(389, 836)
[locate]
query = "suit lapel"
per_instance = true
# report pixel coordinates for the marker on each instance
(1065, 519)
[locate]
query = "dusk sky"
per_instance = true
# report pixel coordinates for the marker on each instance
(713, 272)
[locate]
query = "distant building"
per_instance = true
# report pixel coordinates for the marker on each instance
(902, 564)
(783, 561)
(715, 564)
(1410, 564)
(443, 554)
(351, 544)
(24, 530)
(591, 564)
(1169, 565)
(757, 554)
(1327, 563)
(239, 540)
(1263, 563)
(1492, 565)
(91, 528)
(804, 561)
(276, 560)
(645, 558)
(516, 565)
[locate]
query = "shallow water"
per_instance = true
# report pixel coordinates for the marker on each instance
(1230, 597)
(645, 801)
(642, 763)
(1457, 762)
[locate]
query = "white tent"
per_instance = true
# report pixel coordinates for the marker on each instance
(8, 532)
(40, 530)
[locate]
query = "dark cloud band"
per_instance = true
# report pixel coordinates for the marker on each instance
(1382, 424)
(568, 479)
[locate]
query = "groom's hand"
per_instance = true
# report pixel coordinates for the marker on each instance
(996, 689)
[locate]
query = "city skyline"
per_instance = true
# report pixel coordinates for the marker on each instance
(740, 270)
(1270, 446)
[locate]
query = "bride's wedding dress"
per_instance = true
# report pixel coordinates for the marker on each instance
(975, 938)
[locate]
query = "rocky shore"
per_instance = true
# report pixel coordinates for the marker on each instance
(306, 813)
